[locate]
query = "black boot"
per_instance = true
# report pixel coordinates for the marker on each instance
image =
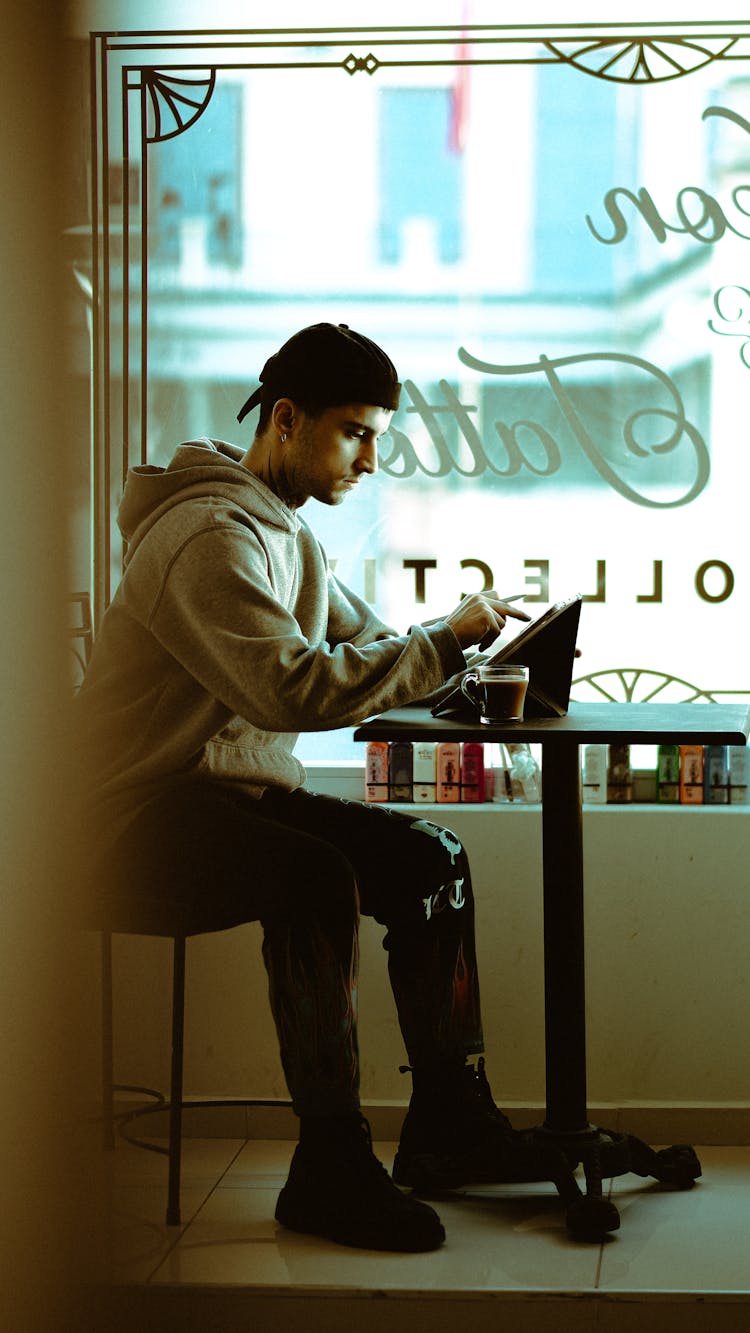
(337, 1188)
(455, 1135)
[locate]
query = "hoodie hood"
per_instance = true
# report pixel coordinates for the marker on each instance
(199, 468)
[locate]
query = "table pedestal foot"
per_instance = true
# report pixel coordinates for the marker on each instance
(604, 1154)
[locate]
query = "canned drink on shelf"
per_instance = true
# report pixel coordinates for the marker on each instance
(595, 774)
(716, 775)
(472, 772)
(400, 770)
(448, 772)
(739, 763)
(619, 775)
(668, 774)
(424, 773)
(376, 771)
(691, 774)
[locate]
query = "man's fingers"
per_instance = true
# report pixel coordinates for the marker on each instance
(499, 611)
(481, 617)
(506, 609)
(494, 626)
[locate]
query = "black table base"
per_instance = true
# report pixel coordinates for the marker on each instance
(603, 1154)
(542, 1155)
(566, 1140)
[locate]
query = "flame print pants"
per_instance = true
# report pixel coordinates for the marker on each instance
(306, 866)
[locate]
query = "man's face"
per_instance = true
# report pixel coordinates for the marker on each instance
(326, 456)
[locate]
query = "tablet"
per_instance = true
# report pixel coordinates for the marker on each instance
(547, 647)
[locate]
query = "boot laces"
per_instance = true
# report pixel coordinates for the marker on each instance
(360, 1155)
(476, 1084)
(482, 1093)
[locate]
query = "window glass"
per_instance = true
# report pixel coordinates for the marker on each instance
(195, 198)
(419, 167)
(556, 261)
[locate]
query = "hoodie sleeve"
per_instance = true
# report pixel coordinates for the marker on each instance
(218, 614)
(352, 620)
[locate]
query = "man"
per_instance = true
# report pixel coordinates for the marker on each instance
(228, 635)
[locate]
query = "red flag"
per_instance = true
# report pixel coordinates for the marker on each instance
(459, 93)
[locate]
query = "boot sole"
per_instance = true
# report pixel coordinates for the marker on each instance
(427, 1172)
(296, 1215)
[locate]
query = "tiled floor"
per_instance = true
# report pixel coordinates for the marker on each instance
(680, 1260)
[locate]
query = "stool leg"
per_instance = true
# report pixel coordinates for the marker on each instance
(108, 1105)
(175, 1100)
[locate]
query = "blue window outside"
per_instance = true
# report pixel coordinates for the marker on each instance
(192, 184)
(421, 176)
(568, 104)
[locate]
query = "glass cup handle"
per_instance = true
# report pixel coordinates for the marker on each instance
(467, 681)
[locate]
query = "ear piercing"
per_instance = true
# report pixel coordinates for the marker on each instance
(283, 439)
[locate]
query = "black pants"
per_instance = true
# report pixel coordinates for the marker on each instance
(305, 866)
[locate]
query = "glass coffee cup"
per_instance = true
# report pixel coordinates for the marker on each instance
(498, 692)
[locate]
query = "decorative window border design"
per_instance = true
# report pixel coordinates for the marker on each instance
(149, 86)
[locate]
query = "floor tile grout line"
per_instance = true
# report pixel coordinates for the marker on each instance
(185, 1226)
(218, 1175)
(602, 1244)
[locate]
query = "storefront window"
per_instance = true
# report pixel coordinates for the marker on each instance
(551, 241)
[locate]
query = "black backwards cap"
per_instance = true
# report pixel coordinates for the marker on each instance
(328, 364)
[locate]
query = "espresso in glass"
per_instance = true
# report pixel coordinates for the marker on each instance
(499, 692)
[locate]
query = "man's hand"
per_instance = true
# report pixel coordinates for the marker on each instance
(480, 618)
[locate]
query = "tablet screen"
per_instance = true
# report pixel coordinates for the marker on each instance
(529, 632)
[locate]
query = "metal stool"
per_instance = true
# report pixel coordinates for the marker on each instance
(134, 915)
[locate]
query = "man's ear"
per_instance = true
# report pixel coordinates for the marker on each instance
(284, 416)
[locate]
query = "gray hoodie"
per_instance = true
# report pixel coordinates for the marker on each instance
(227, 636)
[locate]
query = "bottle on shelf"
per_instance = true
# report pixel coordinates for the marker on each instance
(594, 775)
(526, 779)
(619, 775)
